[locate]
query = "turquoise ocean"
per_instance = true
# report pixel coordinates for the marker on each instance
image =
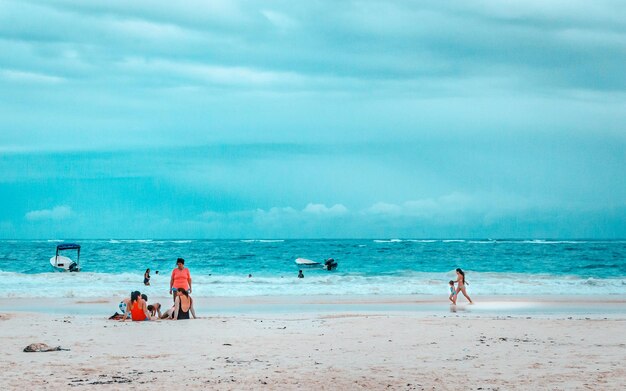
(366, 267)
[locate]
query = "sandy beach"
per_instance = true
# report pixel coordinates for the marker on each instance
(350, 345)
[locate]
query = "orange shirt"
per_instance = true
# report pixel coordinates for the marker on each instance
(181, 278)
(136, 312)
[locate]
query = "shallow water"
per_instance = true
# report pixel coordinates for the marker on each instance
(366, 267)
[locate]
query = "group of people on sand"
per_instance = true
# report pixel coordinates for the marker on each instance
(136, 307)
(460, 287)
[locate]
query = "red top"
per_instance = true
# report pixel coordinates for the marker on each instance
(136, 312)
(181, 278)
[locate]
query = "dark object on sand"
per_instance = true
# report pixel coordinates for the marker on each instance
(42, 347)
(330, 264)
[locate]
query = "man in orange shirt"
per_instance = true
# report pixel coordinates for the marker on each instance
(180, 278)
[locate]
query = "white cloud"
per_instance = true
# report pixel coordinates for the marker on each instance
(29, 77)
(57, 213)
(383, 208)
(213, 74)
(279, 20)
(429, 207)
(319, 209)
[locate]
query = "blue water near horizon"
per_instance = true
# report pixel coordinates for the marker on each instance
(366, 267)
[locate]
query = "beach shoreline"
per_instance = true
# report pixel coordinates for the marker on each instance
(309, 350)
(548, 306)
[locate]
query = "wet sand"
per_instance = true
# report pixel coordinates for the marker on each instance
(353, 343)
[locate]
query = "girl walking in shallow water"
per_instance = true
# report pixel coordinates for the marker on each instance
(460, 287)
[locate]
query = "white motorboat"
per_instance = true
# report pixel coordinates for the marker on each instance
(329, 264)
(306, 262)
(62, 263)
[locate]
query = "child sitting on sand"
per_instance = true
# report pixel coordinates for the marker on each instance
(452, 296)
(153, 309)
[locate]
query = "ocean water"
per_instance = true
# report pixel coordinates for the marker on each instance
(366, 267)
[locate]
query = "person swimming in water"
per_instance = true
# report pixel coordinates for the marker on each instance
(146, 277)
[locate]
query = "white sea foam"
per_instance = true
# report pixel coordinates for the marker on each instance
(262, 240)
(83, 284)
(130, 241)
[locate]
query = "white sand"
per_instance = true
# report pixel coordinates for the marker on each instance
(315, 351)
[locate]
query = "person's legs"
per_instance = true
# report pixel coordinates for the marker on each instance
(466, 296)
(168, 313)
(456, 294)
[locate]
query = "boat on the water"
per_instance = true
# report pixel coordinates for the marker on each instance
(306, 262)
(62, 263)
(329, 264)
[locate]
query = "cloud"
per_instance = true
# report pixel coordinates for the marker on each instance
(457, 207)
(280, 20)
(321, 209)
(29, 77)
(56, 213)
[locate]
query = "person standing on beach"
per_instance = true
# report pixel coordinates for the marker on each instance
(460, 280)
(452, 296)
(180, 278)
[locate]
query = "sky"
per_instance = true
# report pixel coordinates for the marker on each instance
(316, 119)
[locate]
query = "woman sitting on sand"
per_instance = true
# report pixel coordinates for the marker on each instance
(138, 308)
(460, 280)
(183, 305)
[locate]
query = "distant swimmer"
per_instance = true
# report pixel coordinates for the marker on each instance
(146, 277)
(300, 274)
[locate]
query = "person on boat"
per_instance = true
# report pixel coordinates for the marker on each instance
(330, 264)
(146, 277)
(460, 287)
(183, 305)
(180, 278)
